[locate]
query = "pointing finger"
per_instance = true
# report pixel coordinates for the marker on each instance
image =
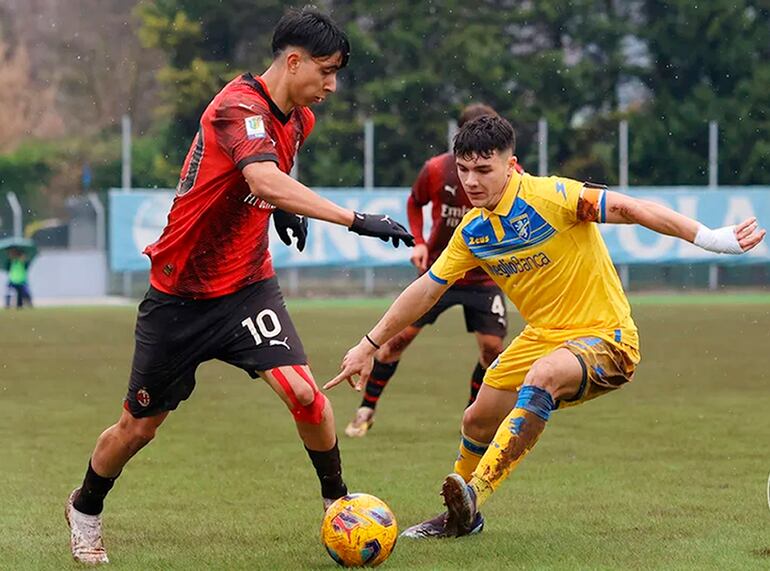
(337, 380)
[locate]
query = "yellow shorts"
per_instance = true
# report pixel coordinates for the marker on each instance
(606, 365)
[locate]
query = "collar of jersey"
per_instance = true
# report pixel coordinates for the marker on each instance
(258, 84)
(509, 195)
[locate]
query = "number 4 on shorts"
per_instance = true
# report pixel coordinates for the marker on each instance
(498, 308)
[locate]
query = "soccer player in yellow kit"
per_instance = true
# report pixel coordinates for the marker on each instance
(537, 238)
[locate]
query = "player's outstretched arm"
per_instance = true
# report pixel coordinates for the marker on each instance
(736, 239)
(272, 185)
(414, 301)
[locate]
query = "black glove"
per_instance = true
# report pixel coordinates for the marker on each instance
(380, 226)
(285, 221)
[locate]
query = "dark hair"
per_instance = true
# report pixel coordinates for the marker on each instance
(474, 110)
(483, 136)
(313, 31)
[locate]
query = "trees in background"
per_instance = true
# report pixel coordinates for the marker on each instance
(69, 71)
(707, 60)
(666, 66)
(414, 66)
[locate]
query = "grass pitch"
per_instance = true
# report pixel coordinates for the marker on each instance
(671, 472)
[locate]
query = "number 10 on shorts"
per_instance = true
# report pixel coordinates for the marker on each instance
(264, 325)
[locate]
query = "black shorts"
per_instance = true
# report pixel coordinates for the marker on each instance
(483, 306)
(250, 329)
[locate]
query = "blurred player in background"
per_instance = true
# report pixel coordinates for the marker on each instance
(539, 240)
(482, 300)
(213, 291)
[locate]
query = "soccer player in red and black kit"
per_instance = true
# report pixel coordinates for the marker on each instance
(213, 291)
(482, 301)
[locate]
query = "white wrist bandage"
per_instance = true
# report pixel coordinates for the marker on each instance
(722, 240)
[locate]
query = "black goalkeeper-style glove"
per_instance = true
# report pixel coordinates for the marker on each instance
(285, 221)
(380, 226)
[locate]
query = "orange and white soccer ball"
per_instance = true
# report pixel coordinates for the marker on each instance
(359, 530)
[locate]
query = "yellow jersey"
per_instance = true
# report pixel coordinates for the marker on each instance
(554, 267)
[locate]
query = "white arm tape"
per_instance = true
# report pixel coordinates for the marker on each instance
(722, 240)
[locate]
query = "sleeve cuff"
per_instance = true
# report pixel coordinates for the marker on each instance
(436, 279)
(256, 159)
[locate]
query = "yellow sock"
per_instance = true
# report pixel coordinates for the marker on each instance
(471, 452)
(516, 436)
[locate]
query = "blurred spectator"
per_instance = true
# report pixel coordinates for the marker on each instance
(17, 266)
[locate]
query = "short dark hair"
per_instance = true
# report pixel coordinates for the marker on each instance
(313, 31)
(474, 110)
(483, 136)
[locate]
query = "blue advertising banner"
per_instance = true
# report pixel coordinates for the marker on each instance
(138, 217)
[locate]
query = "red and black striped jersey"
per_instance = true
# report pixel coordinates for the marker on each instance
(216, 239)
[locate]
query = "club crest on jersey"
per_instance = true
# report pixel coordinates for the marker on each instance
(521, 225)
(255, 127)
(143, 398)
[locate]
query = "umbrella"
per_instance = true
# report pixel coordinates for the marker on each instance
(24, 245)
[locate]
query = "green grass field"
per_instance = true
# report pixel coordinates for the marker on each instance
(669, 473)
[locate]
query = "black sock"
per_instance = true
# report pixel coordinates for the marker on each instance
(379, 378)
(328, 466)
(476, 379)
(90, 499)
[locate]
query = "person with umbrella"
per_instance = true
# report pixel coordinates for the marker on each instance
(16, 259)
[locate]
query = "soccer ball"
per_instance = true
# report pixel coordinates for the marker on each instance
(359, 530)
